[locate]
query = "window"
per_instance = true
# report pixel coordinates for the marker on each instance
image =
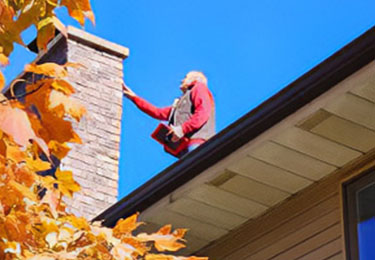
(359, 217)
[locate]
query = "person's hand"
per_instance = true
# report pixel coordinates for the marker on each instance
(127, 91)
(176, 132)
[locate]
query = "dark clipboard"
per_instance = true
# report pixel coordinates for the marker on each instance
(174, 148)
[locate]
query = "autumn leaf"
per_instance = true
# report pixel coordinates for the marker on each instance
(79, 9)
(125, 226)
(15, 123)
(72, 107)
(58, 150)
(164, 240)
(67, 185)
(14, 153)
(47, 69)
(46, 32)
(63, 86)
(22, 189)
(4, 61)
(2, 81)
(79, 223)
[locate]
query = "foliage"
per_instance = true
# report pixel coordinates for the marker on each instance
(34, 133)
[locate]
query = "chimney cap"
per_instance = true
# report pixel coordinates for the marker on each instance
(88, 39)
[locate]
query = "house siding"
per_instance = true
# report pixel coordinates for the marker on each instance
(309, 225)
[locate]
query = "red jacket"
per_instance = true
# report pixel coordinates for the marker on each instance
(202, 100)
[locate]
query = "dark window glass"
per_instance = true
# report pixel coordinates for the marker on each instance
(359, 200)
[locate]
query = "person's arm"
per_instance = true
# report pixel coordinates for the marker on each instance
(203, 104)
(150, 109)
(145, 106)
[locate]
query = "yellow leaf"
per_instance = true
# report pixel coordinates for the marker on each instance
(46, 32)
(163, 242)
(3, 60)
(79, 9)
(59, 150)
(49, 69)
(77, 222)
(63, 86)
(14, 153)
(2, 81)
(67, 185)
(125, 226)
(37, 165)
(23, 189)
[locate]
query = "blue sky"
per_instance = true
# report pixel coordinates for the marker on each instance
(248, 49)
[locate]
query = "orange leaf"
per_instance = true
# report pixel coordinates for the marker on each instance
(79, 9)
(24, 190)
(165, 230)
(14, 153)
(14, 122)
(63, 86)
(48, 124)
(71, 106)
(25, 176)
(125, 226)
(58, 150)
(3, 60)
(46, 32)
(2, 81)
(49, 69)
(163, 239)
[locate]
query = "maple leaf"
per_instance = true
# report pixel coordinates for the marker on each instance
(3, 59)
(46, 32)
(57, 149)
(24, 190)
(79, 9)
(58, 100)
(164, 240)
(48, 69)
(79, 223)
(37, 165)
(63, 86)
(123, 252)
(67, 185)
(126, 226)
(2, 81)
(15, 123)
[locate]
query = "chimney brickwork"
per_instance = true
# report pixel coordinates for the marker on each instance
(95, 163)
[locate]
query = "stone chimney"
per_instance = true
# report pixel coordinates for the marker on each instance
(98, 85)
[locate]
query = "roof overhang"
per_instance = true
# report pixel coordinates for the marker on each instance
(317, 124)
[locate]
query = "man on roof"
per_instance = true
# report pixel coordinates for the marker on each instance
(190, 118)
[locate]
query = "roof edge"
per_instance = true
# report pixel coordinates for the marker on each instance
(311, 85)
